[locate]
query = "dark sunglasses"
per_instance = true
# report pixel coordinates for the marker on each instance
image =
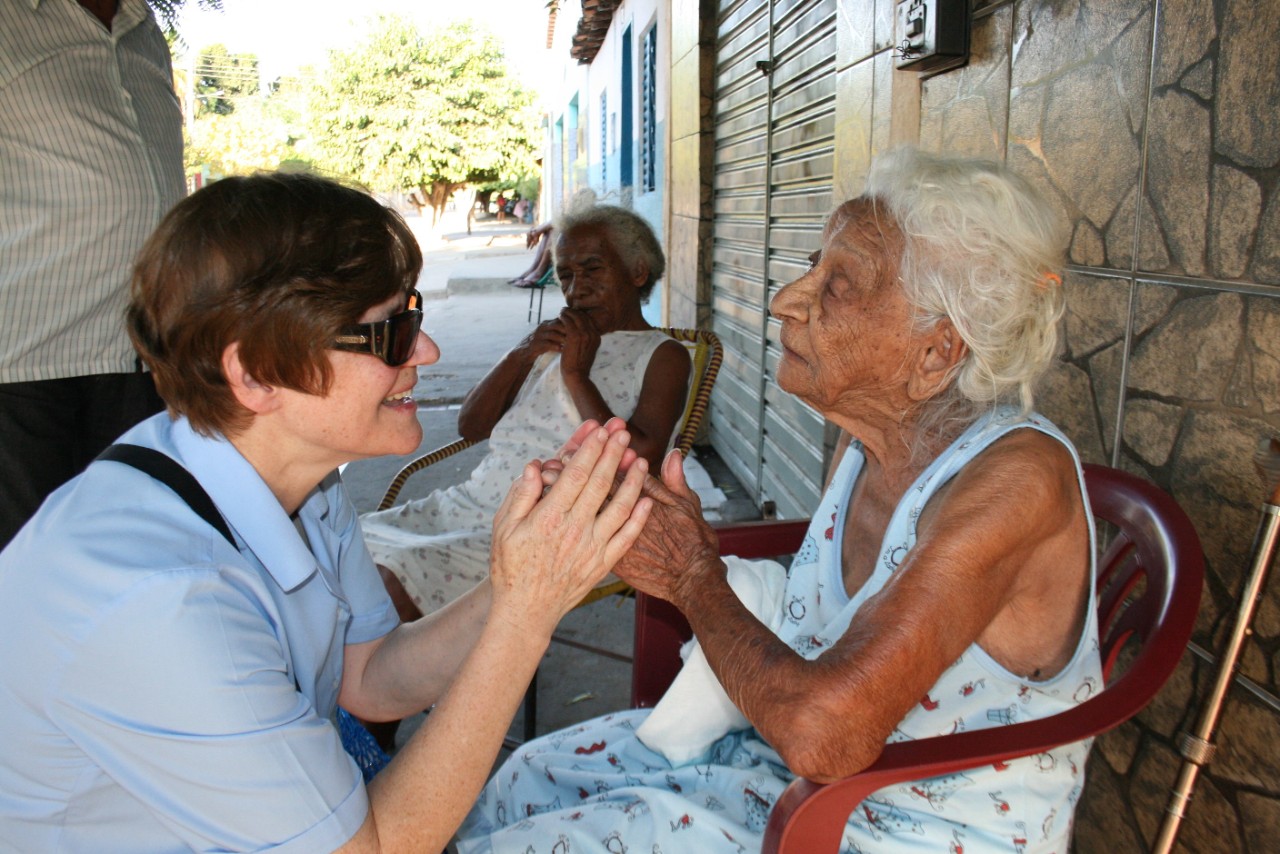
(392, 340)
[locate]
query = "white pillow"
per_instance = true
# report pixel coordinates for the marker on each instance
(695, 711)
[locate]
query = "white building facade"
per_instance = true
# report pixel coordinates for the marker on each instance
(606, 113)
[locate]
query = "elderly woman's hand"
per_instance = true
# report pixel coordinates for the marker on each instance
(580, 343)
(546, 337)
(549, 551)
(677, 547)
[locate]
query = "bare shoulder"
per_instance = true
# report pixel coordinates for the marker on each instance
(1023, 491)
(669, 365)
(1027, 469)
(672, 352)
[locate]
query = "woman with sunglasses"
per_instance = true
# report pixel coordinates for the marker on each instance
(194, 607)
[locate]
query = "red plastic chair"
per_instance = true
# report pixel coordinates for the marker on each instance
(1149, 583)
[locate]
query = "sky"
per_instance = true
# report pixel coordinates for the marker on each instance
(288, 34)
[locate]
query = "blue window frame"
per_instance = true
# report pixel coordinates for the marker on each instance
(649, 112)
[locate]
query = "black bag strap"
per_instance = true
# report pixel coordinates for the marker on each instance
(169, 472)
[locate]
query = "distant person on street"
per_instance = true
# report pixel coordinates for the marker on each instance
(90, 160)
(539, 236)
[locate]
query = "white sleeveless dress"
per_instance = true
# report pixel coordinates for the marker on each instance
(596, 787)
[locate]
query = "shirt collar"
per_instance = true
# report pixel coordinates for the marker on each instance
(129, 13)
(249, 506)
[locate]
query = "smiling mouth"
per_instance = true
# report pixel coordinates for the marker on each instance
(398, 399)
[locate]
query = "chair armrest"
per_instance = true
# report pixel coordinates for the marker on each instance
(809, 817)
(441, 453)
(761, 539)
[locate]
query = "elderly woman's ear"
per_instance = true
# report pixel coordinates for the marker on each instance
(640, 274)
(941, 350)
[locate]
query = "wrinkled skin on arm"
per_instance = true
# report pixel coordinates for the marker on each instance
(1001, 560)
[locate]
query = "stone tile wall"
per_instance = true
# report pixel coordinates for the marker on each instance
(1155, 125)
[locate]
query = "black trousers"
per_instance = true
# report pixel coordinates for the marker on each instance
(51, 429)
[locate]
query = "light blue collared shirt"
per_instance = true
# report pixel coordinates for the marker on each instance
(163, 691)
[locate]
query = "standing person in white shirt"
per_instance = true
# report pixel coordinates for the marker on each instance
(90, 160)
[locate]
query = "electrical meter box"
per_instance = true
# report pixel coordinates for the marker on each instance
(931, 35)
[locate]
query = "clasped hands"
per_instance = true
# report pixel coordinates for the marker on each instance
(573, 334)
(674, 545)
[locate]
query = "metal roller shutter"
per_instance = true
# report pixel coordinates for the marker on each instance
(774, 107)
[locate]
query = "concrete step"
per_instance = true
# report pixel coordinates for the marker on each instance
(460, 285)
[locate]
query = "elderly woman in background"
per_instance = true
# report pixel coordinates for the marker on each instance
(598, 359)
(946, 580)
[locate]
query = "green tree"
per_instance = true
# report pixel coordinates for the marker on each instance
(222, 78)
(256, 136)
(424, 113)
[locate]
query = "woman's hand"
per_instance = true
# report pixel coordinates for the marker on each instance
(549, 551)
(547, 337)
(551, 468)
(579, 346)
(677, 546)
(535, 234)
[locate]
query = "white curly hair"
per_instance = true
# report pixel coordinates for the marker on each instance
(985, 250)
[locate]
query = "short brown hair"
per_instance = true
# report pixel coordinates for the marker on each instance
(275, 261)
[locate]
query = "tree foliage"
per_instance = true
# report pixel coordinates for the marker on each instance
(425, 112)
(256, 136)
(222, 78)
(167, 11)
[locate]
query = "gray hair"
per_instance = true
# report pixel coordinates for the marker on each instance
(985, 250)
(629, 234)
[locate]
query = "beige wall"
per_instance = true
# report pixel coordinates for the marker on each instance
(1155, 125)
(689, 213)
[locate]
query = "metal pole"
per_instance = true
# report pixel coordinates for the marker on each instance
(1197, 748)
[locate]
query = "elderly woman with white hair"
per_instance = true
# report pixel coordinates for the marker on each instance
(945, 582)
(598, 359)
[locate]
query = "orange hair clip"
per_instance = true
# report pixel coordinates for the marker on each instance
(1050, 279)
